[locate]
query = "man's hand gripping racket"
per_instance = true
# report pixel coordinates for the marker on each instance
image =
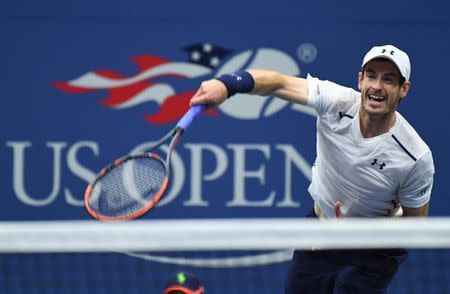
(133, 184)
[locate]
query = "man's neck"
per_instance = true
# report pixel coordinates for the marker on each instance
(375, 125)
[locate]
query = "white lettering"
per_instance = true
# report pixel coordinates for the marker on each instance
(19, 171)
(240, 174)
(197, 176)
(78, 170)
(291, 156)
(247, 164)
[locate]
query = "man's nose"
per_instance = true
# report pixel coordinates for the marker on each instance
(378, 83)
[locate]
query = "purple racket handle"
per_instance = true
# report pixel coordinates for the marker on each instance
(189, 117)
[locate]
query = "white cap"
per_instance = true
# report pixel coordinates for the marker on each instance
(392, 53)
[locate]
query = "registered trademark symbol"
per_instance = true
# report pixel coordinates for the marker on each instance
(307, 52)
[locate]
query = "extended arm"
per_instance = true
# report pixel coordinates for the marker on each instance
(270, 83)
(266, 83)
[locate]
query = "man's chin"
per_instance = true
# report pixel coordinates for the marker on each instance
(374, 111)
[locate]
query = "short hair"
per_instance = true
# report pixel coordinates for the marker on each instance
(402, 79)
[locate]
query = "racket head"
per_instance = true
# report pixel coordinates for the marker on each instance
(127, 188)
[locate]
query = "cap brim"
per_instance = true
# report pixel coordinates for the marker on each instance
(383, 56)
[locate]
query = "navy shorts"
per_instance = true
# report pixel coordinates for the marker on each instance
(343, 271)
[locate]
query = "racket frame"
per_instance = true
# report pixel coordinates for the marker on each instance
(174, 136)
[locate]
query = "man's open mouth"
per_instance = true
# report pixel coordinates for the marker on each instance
(377, 98)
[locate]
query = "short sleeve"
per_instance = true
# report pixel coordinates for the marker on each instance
(415, 189)
(315, 97)
(326, 96)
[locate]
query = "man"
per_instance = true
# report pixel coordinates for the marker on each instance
(370, 162)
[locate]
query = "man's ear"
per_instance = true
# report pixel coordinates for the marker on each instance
(404, 89)
(360, 78)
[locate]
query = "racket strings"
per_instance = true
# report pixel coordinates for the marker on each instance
(128, 187)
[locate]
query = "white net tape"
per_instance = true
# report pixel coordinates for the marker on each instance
(223, 234)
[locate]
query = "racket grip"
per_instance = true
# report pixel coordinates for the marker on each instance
(189, 117)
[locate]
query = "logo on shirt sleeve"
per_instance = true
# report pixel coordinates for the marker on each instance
(423, 191)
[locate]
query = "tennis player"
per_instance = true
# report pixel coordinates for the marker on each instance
(370, 162)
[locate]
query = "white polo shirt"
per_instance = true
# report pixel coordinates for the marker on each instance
(371, 177)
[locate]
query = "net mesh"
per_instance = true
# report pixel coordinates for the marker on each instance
(127, 187)
(64, 260)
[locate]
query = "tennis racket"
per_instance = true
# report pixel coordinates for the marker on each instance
(132, 185)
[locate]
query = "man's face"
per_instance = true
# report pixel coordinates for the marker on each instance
(380, 87)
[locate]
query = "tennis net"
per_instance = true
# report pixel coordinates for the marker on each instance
(228, 255)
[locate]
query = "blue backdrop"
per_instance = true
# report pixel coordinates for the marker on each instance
(85, 83)
(88, 81)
